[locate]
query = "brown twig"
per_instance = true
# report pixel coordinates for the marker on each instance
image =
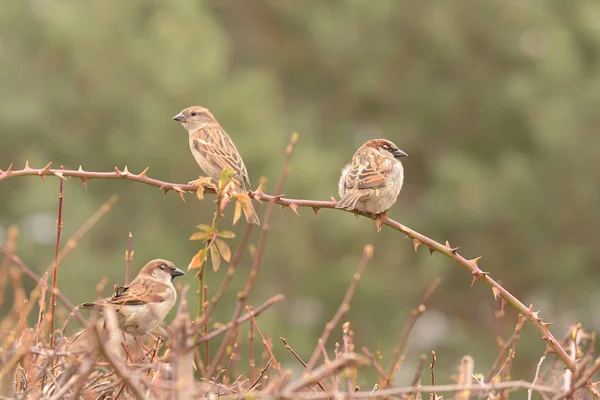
(257, 258)
(120, 370)
(252, 357)
(383, 377)
(264, 340)
(18, 262)
(344, 307)
(257, 311)
(287, 346)
(128, 257)
(386, 393)
(535, 378)
(11, 244)
(414, 316)
(350, 360)
(507, 345)
(59, 225)
(207, 343)
(262, 373)
(231, 360)
(433, 358)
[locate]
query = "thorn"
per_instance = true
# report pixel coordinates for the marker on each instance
(84, 182)
(164, 189)
(294, 208)
(431, 250)
(496, 293)
(378, 225)
(476, 274)
(143, 173)
(80, 169)
(259, 189)
(27, 167)
(117, 170)
(416, 244)
(452, 250)
(59, 174)
(546, 324)
(316, 210)
(333, 199)
(126, 171)
(9, 169)
(474, 261)
(180, 194)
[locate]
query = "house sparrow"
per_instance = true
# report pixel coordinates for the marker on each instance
(214, 151)
(144, 303)
(372, 181)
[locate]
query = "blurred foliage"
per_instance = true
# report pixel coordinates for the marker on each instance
(494, 101)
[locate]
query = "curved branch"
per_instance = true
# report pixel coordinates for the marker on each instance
(294, 204)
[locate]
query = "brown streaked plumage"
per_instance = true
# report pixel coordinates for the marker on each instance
(372, 181)
(214, 151)
(143, 304)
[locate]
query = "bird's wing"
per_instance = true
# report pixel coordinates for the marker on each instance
(140, 291)
(214, 144)
(369, 170)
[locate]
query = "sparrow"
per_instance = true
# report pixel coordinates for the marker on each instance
(144, 303)
(214, 151)
(372, 181)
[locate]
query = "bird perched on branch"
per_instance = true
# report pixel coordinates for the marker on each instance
(214, 151)
(144, 303)
(372, 181)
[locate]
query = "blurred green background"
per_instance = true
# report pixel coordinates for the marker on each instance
(494, 101)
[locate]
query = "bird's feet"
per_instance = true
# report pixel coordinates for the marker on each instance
(378, 218)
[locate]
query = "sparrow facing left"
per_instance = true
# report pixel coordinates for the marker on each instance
(144, 303)
(214, 151)
(372, 181)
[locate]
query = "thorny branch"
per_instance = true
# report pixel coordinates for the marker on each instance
(418, 239)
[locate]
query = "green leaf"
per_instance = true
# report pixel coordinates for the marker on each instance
(223, 249)
(226, 234)
(198, 260)
(215, 257)
(201, 236)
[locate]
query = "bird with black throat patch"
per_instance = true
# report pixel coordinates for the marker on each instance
(214, 151)
(372, 181)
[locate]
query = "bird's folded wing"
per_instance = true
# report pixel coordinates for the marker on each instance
(140, 292)
(368, 171)
(217, 147)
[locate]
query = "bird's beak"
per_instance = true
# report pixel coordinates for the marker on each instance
(399, 153)
(179, 117)
(177, 272)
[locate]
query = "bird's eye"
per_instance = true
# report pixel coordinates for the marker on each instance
(386, 147)
(193, 113)
(164, 267)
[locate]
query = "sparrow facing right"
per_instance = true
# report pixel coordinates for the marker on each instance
(214, 151)
(372, 181)
(144, 303)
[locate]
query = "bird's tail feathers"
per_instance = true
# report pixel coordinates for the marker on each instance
(348, 201)
(250, 213)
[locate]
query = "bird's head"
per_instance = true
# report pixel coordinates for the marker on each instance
(161, 270)
(194, 118)
(386, 148)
